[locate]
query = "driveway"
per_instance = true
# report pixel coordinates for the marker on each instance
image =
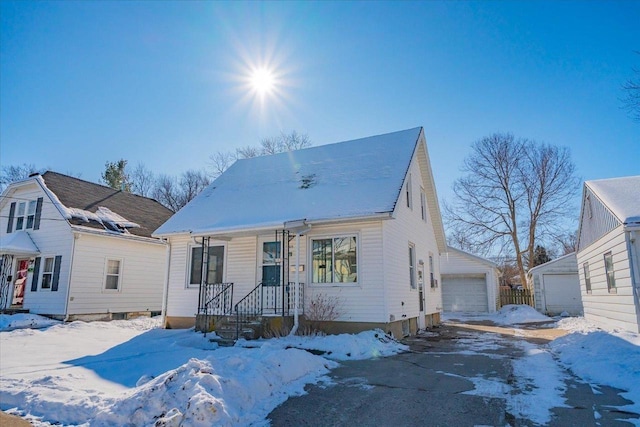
(473, 374)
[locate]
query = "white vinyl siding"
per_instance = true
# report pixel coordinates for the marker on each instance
(609, 310)
(140, 275)
(53, 238)
(402, 302)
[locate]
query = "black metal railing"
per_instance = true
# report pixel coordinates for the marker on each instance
(274, 300)
(216, 300)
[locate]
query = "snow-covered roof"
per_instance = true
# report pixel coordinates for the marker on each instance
(542, 267)
(472, 256)
(352, 179)
(18, 243)
(620, 195)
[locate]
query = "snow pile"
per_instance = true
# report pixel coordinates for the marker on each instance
(24, 321)
(237, 389)
(365, 345)
(131, 372)
(603, 358)
(515, 314)
(577, 324)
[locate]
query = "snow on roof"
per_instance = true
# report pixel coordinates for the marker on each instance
(351, 179)
(620, 195)
(573, 255)
(18, 243)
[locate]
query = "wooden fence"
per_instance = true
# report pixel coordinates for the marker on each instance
(514, 296)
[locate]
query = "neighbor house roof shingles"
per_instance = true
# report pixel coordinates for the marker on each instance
(77, 193)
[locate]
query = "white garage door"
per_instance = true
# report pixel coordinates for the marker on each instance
(562, 293)
(464, 292)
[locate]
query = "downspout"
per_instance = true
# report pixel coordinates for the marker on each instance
(165, 291)
(73, 254)
(295, 289)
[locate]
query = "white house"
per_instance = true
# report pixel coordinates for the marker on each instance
(72, 249)
(557, 286)
(608, 246)
(469, 282)
(355, 222)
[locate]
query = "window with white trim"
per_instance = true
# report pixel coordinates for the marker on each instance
(423, 205)
(20, 215)
(215, 265)
(432, 278)
(408, 192)
(334, 260)
(113, 274)
(412, 266)
(587, 277)
(608, 268)
(47, 273)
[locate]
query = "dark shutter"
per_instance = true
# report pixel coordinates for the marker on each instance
(36, 224)
(36, 271)
(12, 212)
(56, 273)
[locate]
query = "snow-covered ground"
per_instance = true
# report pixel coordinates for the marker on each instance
(134, 373)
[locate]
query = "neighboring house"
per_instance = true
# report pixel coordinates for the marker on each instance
(72, 249)
(557, 286)
(608, 247)
(469, 282)
(355, 222)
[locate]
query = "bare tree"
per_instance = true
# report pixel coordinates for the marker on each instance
(166, 192)
(192, 182)
(174, 193)
(247, 152)
(13, 173)
(568, 242)
(631, 100)
(515, 194)
(220, 161)
(142, 180)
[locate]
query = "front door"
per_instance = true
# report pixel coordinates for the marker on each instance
(22, 270)
(270, 275)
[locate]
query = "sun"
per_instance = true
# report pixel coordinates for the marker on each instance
(262, 81)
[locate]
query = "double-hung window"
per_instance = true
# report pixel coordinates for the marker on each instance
(20, 215)
(26, 214)
(113, 274)
(334, 260)
(608, 268)
(423, 205)
(47, 273)
(412, 266)
(408, 192)
(215, 265)
(587, 277)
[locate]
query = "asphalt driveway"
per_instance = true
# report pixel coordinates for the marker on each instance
(455, 375)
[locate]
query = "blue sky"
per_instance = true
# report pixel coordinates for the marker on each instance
(163, 83)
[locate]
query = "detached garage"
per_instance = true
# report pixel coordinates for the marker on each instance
(557, 286)
(469, 283)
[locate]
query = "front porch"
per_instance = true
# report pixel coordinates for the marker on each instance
(268, 309)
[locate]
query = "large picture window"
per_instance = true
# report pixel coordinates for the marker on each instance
(334, 260)
(215, 265)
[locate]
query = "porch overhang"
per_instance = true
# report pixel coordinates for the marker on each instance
(19, 244)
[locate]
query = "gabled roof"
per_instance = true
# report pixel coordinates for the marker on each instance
(86, 204)
(620, 195)
(355, 179)
(471, 256)
(542, 267)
